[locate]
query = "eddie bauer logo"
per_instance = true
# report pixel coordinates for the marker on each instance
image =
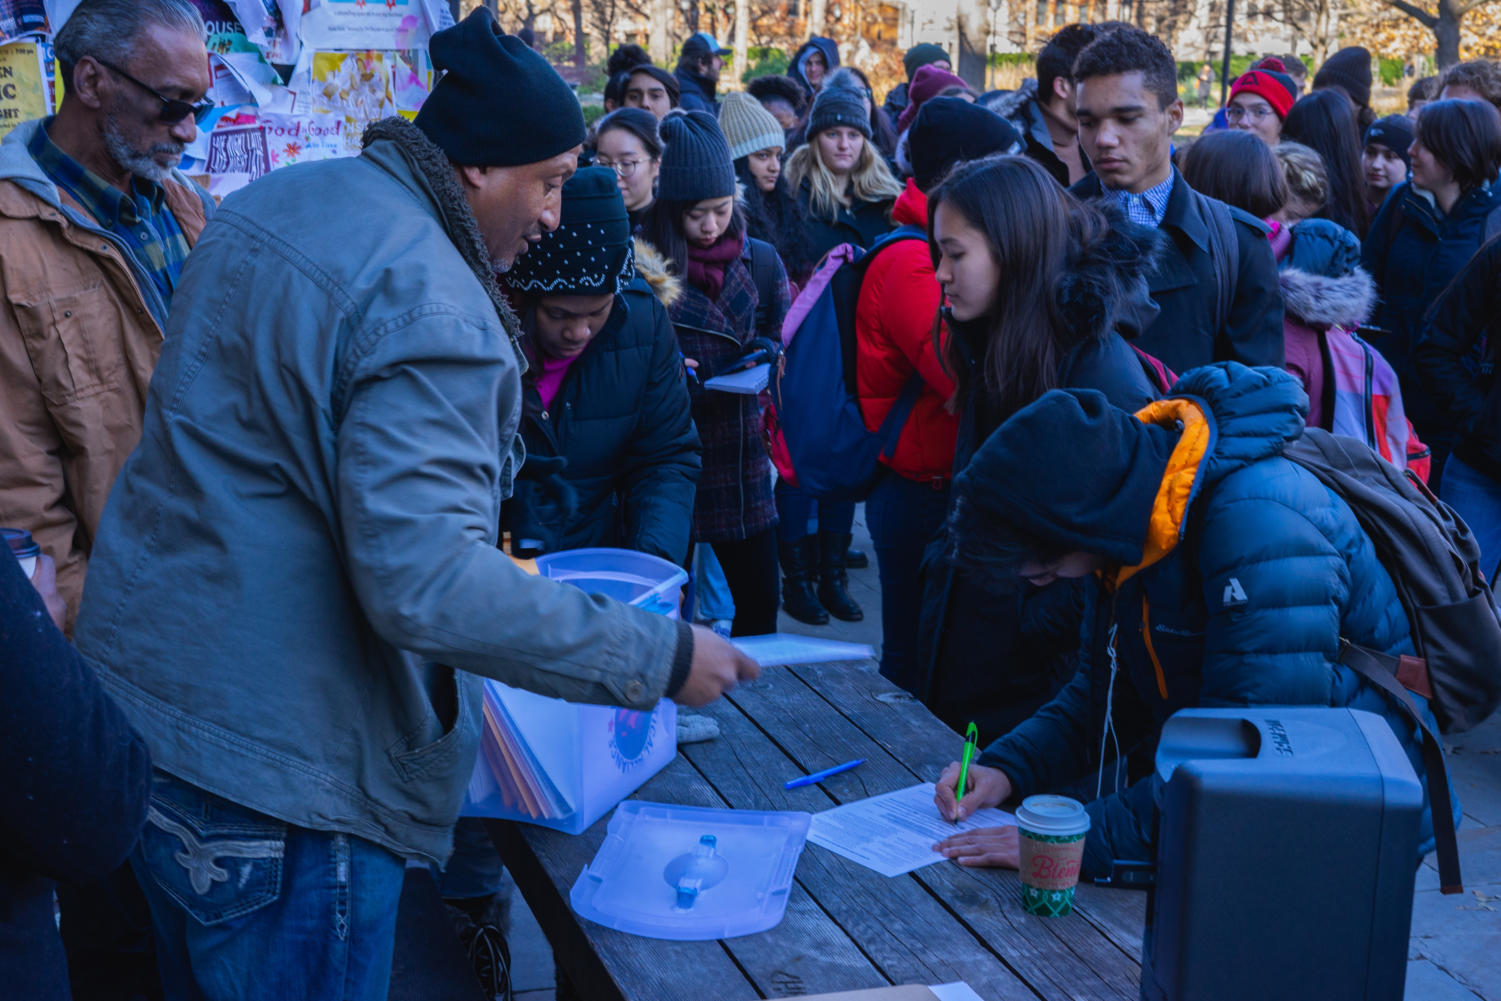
(631, 737)
(1278, 733)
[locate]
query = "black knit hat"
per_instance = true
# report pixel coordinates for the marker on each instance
(835, 106)
(1350, 70)
(921, 55)
(950, 130)
(696, 161)
(498, 103)
(591, 251)
(1396, 133)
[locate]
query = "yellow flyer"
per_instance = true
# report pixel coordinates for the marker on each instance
(23, 85)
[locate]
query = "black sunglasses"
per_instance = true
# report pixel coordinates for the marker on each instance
(173, 111)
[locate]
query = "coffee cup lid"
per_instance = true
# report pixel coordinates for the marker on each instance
(1052, 815)
(20, 542)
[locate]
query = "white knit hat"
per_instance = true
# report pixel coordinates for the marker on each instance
(747, 126)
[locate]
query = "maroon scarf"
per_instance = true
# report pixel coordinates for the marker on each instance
(706, 265)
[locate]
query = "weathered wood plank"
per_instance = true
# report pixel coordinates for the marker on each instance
(898, 722)
(1059, 959)
(895, 922)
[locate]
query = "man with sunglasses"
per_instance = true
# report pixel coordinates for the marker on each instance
(95, 223)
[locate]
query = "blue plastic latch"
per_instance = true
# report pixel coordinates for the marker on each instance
(693, 872)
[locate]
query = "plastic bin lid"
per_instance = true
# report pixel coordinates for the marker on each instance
(635, 578)
(690, 873)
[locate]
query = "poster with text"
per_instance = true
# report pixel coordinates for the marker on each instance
(365, 24)
(305, 138)
(23, 85)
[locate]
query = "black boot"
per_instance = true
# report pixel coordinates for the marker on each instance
(797, 581)
(855, 559)
(832, 578)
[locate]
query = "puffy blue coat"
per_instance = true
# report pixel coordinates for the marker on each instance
(1266, 570)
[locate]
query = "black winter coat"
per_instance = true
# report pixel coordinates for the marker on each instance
(77, 779)
(1413, 252)
(1461, 327)
(621, 421)
(862, 224)
(1186, 289)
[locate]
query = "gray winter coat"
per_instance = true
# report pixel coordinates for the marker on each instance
(301, 552)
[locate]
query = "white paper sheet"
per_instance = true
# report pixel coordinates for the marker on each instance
(894, 833)
(957, 991)
(783, 649)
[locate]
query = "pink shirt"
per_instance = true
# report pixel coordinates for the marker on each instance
(551, 379)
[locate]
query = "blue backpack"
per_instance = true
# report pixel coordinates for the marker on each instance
(825, 447)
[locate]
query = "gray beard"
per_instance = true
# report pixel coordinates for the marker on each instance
(140, 164)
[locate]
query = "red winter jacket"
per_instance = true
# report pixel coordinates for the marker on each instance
(899, 298)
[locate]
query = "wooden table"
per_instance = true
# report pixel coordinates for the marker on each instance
(846, 927)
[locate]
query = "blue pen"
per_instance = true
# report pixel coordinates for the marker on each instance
(808, 780)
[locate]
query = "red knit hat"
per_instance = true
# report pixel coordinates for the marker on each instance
(929, 81)
(1277, 89)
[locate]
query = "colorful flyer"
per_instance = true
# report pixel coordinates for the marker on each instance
(20, 17)
(356, 85)
(303, 138)
(23, 85)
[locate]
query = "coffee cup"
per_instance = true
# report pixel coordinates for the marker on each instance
(23, 547)
(1051, 832)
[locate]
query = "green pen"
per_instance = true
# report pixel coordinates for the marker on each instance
(971, 741)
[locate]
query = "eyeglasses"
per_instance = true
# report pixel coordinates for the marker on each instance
(1235, 113)
(173, 111)
(622, 168)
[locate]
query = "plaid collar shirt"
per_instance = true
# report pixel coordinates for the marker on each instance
(141, 219)
(1145, 209)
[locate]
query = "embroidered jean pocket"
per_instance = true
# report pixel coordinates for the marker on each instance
(218, 860)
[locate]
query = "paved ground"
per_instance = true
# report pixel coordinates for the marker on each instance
(1455, 950)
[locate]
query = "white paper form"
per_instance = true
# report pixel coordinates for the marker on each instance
(894, 833)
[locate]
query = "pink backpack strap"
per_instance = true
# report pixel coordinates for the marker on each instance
(832, 262)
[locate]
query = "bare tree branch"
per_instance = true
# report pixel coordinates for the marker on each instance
(1419, 15)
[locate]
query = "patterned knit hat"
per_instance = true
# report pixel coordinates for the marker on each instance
(696, 162)
(591, 251)
(836, 106)
(747, 126)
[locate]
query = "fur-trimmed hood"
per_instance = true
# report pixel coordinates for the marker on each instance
(654, 270)
(1322, 302)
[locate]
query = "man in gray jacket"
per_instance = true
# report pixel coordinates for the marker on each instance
(297, 569)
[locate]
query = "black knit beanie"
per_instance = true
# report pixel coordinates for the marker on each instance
(696, 161)
(498, 103)
(590, 252)
(1350, 70)
(950, 130)
(921, 55)
(835, 106)
(1396, 133)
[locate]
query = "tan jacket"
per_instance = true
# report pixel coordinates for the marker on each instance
(78, 342)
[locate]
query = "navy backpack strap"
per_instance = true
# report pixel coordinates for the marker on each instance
(896, 418)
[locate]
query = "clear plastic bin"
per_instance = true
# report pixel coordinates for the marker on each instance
(639, 579)
(564, 764)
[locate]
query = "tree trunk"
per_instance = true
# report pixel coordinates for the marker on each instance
(742, 39)
(972, 28)
(818, 10)
(580, 43)
(1446, 34)
(661, 30)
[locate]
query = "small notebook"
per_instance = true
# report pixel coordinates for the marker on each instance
(746, 383)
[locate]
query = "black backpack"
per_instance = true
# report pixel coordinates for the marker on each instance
(1434, 562)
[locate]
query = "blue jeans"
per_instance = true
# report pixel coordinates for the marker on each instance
(1477, 499)
(902, 516)
(248, 907)
(474, 869)
(714, 599)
